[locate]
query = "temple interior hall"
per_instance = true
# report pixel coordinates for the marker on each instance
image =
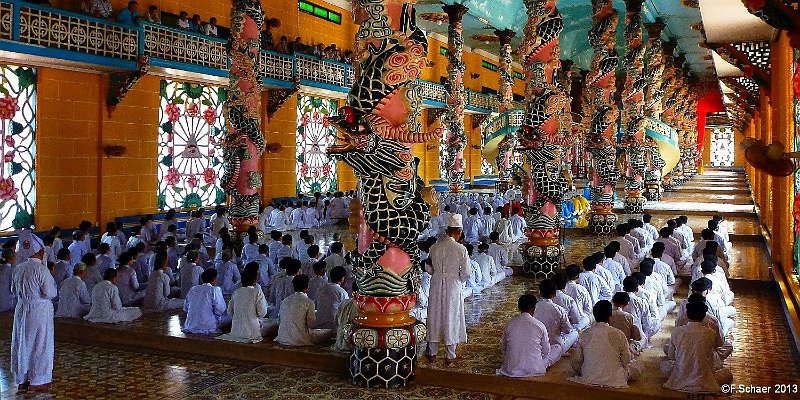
(400, 199)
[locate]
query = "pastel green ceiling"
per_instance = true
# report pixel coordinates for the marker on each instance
(484, 16)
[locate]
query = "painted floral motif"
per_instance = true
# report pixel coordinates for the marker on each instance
(316, 172)
(365, 338)
(396, 338)
(17, 147)
(188, 144)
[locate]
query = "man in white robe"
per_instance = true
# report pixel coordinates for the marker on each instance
(472, 227)
(690, 363)
(527, 350)
(646, 219)
(595, 284)
(32, 344)
(602, 357)
(106, 304)
(578, 293)
(74, 299)
(449, 269)
(297, 318)
(205, 307)
(577, 317)
(329, 298)
(555, 317)
(24, 244)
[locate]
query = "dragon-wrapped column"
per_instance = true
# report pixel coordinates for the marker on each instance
(604, 116)
(377, 126)
(633, 118)
(505, 97)
(453, 117)
(543, 138)
(653, 96)
(243, 141)
(674, 91)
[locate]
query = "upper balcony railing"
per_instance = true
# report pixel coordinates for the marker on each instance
(43, 31)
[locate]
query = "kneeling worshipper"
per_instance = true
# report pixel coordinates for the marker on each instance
(709, 321)
(106, 305)
(347, 312)
(205, 307)
(7, 299)
(623, 321)
(74, 300)
(602, 356)
(690, 363)
(527, 351)
(156, 297)
(297, 317)
(554, 317)
(576, 316)
(32, 343)
(329, 298)
(247, 307)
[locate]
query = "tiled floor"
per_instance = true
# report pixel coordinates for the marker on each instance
(92, 372)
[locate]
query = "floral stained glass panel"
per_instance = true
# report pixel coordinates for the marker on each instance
(316, 172)
(191, 129)
(18, 147)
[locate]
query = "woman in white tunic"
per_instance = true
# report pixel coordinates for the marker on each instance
(111, 238)
(156, 297)
(449, 269)
(247, 307)
(7, 299)
(32, 343)
(74, 300)
(106, 305)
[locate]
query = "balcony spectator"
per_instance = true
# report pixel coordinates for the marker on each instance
(333, 53)
(210, 28)
(266, 35)
(196, 24)
(297, 46)
(129, 15)
(283, 45)
(86, 7)
(348, 57)
(101, 9)
(318, 50)
(153, 15)
(183, 21)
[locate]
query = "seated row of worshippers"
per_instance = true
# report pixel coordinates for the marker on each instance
(323, 210)
(608, 313)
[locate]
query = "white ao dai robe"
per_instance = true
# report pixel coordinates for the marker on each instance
(107, 307)
(526, 348)
(74, 300)
(449, 270)
(246, 307)
(158, 290)
(205, 309)
(329, 299)
(32, 343)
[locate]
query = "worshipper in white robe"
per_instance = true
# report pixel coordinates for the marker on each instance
(475, 282)
(577, 317)
(110, 237)
(196, 224)
(723, 244)
(156, 297)
(682, 225)
(673, 249)
(218, 221)
(63, 268)
(641, 234)
(297, 318)
(555, 317)
(190, 273)
(595, 284)
(318, 280)
(721, 287)
(651, 298)
(472, 227)
(32, 343)
(655, 284)
(49, 255)
(267, 271)
(135, 238)
(77, 248)
(329, 298)
(609, 252)
(518, 225)
(337, 209)
(279, 219)
(627, 248)
(7, 298)
(709, 321)
(24, 244)
(247, 307)
(619, 258)
(93, 276)
(347, 312)
(287, 248)
(104, 260)
(664, 269)
(624, 321)
(228, 273)
(527, 350)
(609, 277)
(58, 244)
(106, 305)
(264, 222)
(690, 363)
(575, 290)
(250, 249)
(499, 253)
(602, 356)
(205, 306)
(282, 286)
(336, 256)
(310, 218)
(486, 265)
(74, 300)
(652, 230)
(449, 269)
(127, 282)
(638, 307)
(487, 224)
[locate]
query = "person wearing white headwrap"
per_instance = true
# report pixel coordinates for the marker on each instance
(24, 245)
(449, 269)
(32, 344)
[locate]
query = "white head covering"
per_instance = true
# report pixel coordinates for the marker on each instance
(35, 243)
(455, 221)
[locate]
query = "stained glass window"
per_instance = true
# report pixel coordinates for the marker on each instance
(316, 172)
(722, 146)
(18, 147)
(191, 129)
